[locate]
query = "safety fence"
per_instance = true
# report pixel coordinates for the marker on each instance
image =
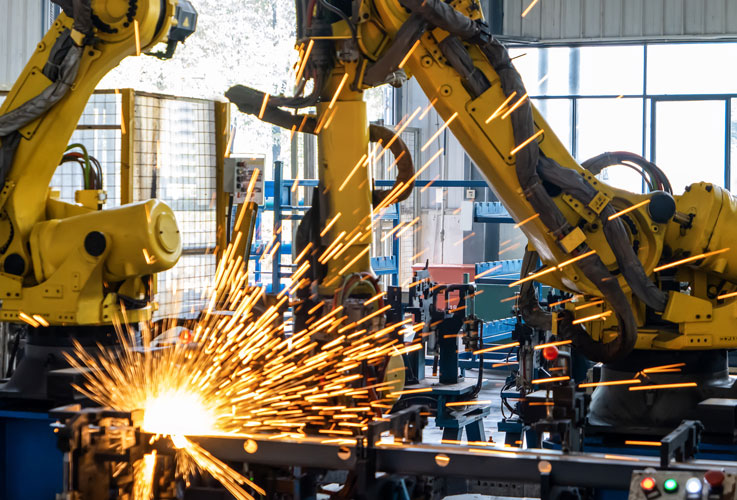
(165, 147)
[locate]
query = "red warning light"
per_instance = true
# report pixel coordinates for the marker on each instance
(550, 353)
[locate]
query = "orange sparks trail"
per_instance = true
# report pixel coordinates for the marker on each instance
(409, 54)
(488, 271)
(359, 164)
(239, 372)
(563, 301)
(656, 369)
(338, 91)
(500, 109)
(468, 403)
(305, 58)
(532, 277)
(553, 344)
(428, 108)
(330, 224)
(603, 315)
(529, 7)
(464, 239)
(610, 382)
(526, 142)
(497, 348)
(664, 386)
(439, 131)
(629, 209)
(137, 34)
(264, 104)
(550, 379)
(632, 442)
(576, 259)
(529, 219)
(690, 259)
(516, 105)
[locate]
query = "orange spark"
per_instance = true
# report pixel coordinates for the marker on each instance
(263, 106)
(576, 259)
(501, 107)
(632, 442)
(439, 131)
(629, 209)
(526, 142)
(664, 386)
(532, 277)
(610, 382)
(497, 348)
(603, 315)
(409, 54)
(338, 91)
(360, 163)
(529, 219)
(553, 344)
(428, 108)
(330, 224)
(468, 403)
(488, 271)
(529, 7)
(516, 105)
(137, 33)
(550, 379)
(464, 239)
(690, 259)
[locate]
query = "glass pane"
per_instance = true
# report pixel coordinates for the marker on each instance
(611, 125)
(613, 70)
(557, 112)
(701, 68)
(544, 71)
(689, 142)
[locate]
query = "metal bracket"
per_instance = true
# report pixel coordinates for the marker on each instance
(682, 443)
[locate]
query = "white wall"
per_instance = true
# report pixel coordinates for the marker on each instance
(21, 25)
(558, 20)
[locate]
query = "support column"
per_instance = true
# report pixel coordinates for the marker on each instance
(344, 179)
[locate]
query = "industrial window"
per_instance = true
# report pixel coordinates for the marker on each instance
(672, 103)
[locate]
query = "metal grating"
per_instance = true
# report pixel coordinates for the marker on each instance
(175, 161)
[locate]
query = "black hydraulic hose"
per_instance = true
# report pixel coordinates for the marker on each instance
(614, 231)
(446, 17)
(598, 163)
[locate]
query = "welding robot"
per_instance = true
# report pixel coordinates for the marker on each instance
(610, 247)
(71, 270)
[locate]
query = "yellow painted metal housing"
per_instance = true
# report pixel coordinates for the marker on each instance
(60, 279)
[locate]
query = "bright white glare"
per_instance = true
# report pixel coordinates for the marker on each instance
(178, 413)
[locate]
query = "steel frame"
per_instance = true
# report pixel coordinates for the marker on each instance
(588, 470)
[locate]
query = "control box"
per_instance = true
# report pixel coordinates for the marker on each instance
(654, 484)
(238, 174)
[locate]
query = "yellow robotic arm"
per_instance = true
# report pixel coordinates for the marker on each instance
(663, 265)
(61, 263)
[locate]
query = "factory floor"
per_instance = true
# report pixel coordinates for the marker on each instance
(492, 387)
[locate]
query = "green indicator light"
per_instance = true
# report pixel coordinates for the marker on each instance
(670, 485)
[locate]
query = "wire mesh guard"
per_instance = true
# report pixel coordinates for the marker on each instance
(99, 131)
(175, 161)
